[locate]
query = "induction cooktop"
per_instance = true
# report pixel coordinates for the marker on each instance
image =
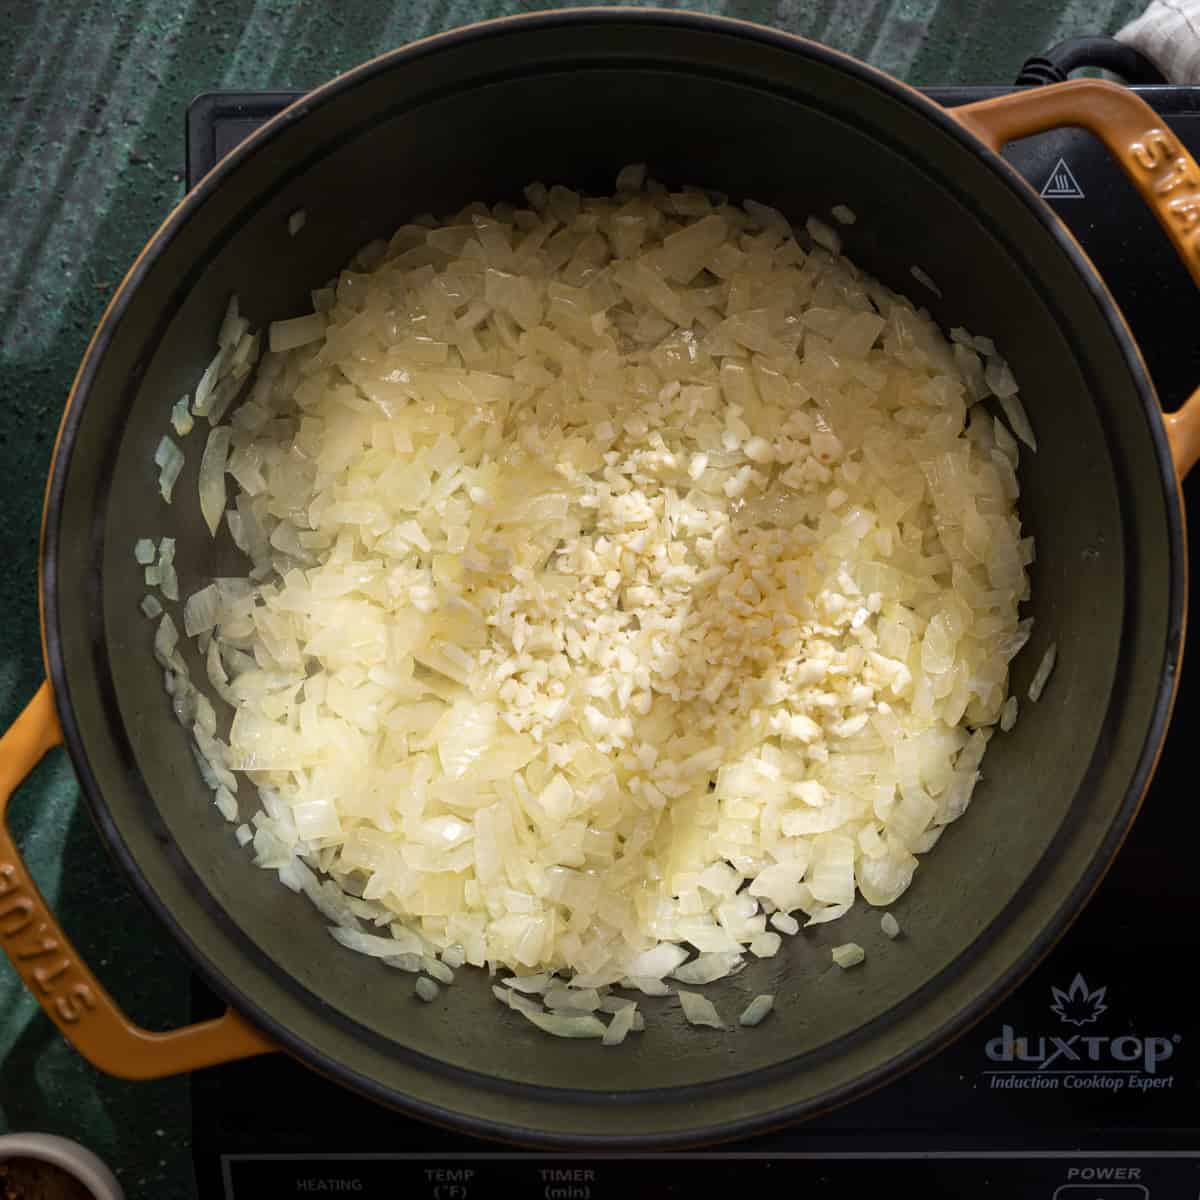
(1083, 1085)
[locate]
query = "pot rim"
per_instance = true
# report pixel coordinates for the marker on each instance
(52, 606)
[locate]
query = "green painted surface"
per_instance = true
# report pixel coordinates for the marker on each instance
(92, 97)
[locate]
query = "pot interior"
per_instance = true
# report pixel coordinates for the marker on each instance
(570, 100)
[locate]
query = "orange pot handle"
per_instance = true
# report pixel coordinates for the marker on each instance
(51, 967)
(1151, 156)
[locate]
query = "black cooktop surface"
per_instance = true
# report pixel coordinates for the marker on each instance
(1084, 1085)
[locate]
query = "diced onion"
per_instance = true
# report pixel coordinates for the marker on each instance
(849, 954)
(656, 963)
(582, 1026)
(756, 1011)
(923, 278)
(212, 477)
(708, 967)
(824, 235)
(165, 640)
(532, 984)
(649, 986)
(226, 804)
(374, 946)
(299, 331)
(619, 1026)
(169, 459)
(1015, 412)
(699, 1010)
(1040, 677)
(181, 417)
(766, 945)
(202, 610)
(627, 582)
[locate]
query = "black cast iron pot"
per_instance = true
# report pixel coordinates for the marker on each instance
(569, 97)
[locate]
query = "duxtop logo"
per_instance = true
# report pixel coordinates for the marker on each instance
(1091, 1059)
(1077, 1005)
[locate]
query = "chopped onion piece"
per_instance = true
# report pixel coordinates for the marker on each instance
(296, 222)
(166, 639)
(575, 999)
(299, 331)
(699, 1010)
(226, 804)
(708, 967)
(533, 984)
(168, 580)
(849, 954)
(151, 607)
(656, 963)
(631, 178)
(223, 396)
(619, 1026)
(925, 281)
(212, 477)
(517, 1002)
(581, 1026)
(374, 946)
(1040, 677)
(143, 551)
(1015, 412)
(181, 417)
(824, 235)
(438, 970)
(202, 610)
(650, 986)
(232, 326)
(614, 1004)
(766, 945)
(756, 1011)
(169, 459)
(408, 963)
(999, 379)
(889, 925)
(426, 989)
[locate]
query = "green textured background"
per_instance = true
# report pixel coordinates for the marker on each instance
(92, 97)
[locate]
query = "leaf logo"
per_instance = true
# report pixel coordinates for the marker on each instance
(1077, 1005)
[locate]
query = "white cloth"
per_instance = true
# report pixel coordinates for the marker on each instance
(1168, 33)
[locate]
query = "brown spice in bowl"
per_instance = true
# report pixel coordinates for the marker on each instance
(32, 1179)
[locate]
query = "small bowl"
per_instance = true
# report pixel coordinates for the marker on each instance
(76, 1160)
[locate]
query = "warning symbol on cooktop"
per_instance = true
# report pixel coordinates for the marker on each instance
(1062, 184)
